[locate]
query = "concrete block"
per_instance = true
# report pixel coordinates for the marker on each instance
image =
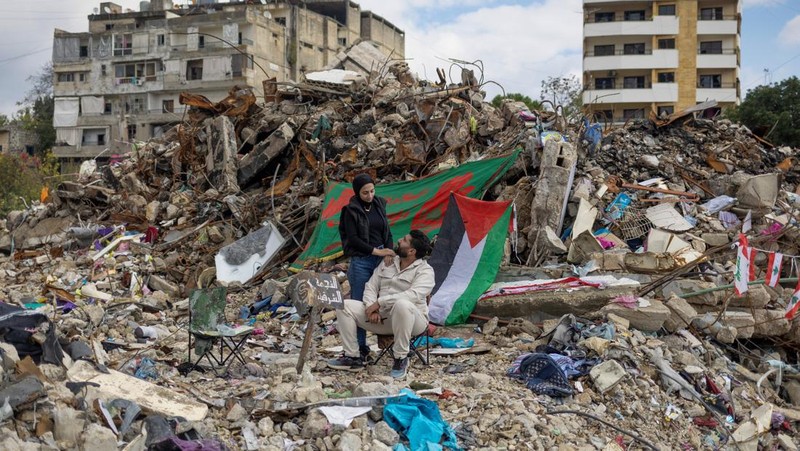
(770, 323)
(755, 297)
(681, 315)
(742, 321)
(647, 319)
(606, 375)
(681, 287)
(650, 262)
(716, 239)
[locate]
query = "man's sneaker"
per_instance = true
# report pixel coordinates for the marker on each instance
(400, 368)
(346, 363)
(366, 355)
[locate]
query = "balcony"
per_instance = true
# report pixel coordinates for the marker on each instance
(658, 25)
(657, 92)
(718, 27)
(722, 92)
(725, 60)
(661, 59)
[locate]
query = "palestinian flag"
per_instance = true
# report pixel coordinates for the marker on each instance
(467, 256)
(794, 303)
(418, 204)
(774, 264)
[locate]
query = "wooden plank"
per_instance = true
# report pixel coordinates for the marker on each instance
(147, 395)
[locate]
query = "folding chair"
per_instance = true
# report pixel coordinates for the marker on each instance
(385, 343)
(206, 312)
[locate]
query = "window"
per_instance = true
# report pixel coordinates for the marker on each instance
(633, 83)
(666, 43)
(604, 17)
(666, 77)
(240, 38)
(633, 114)
(101, 139)
(281, 20)
(135, 73)
(161, 40)
(711, 48)
(710, 81)
(666, 10)
(66, 76)
(132, 131)
(103, 70)
(604, 50)
(167, 106)
(84, 51)
(665, 110)
(107, 108)
(634, 49)
(123, 44)
(604, 115)
(109, 26)
(82, 77)
(343, 42)
(240, 62)
(604, 83)
(711, 13)
(194, 70)
(201, 41)
(635, 15)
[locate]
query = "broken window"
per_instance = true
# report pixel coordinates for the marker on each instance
(161, 40)
(132, 131)
(135, 73)
(281, 20)
(711, 13)
(666, 10)
(103, 69)
(84, 51)
(666, 110)
(635, 15)
(604, 115)
(710, 81)
(66, 76)
(168, 106)
(201, 41)
(711, 48)
(107, 108)
(81, 77)
(194, 70)
(634, 49)
(604, 83)
(604, 50)
(666, 43)
(604, 17)
(666, 77)
(637, 113)
(633, 82)
(123, 44)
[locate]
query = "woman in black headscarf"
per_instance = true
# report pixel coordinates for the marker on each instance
(366, 239)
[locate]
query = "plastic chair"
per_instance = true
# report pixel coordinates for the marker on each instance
(206, 325)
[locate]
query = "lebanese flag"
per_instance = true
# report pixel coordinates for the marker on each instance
(752, 264)
(774, 264)
(742, 274)
(794, 303)
(466, 256)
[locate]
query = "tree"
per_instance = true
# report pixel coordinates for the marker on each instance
(37, 108)
(533, 105)
(775, 109)
(3, 119)
(20, 182)
(564, 92)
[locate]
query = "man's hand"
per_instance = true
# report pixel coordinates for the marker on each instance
(388, 260)
(372, 313)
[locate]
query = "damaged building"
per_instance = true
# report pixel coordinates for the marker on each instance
(119, 82)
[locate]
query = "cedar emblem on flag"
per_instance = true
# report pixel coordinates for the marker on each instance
(742, 274)
(794, 303)
(774, 264)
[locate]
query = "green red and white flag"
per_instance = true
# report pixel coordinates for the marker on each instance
(467, 256)
(774, 264)
(742, 275)
(794, 303)
(418, 204)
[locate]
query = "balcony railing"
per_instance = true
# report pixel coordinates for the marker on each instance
(591, 19)
(717, 86)
(618, 52)
(723, 17)
(646, 85)
(720, 52)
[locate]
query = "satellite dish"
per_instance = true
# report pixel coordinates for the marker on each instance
(107, 10)
(267, 15)
(96, 10)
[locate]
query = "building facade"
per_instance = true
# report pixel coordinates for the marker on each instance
(661, 56)
(15, 139)
(120, 81)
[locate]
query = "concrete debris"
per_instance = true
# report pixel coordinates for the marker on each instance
(617, 283)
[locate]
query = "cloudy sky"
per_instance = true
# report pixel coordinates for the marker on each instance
(518, 42)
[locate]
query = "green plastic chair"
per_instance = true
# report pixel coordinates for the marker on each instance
(206, 314)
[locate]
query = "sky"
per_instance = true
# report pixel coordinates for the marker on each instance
(517, 43)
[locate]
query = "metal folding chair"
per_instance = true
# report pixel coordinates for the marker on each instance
(385, 343)
(206, 312)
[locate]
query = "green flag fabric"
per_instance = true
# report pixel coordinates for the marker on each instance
(418, 204)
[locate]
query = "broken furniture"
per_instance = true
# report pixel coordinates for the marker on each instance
(206, 325)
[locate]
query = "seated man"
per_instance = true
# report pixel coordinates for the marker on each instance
(394, 304)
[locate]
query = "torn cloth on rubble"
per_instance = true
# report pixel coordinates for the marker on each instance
(541, 374)
(15, 328)
(419, 420)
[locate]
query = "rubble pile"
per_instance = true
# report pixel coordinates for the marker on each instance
(655, 348)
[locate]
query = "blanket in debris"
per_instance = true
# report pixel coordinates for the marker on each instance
(418, 204)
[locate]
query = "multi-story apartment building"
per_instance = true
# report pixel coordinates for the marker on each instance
(661, 56)
(120, 81)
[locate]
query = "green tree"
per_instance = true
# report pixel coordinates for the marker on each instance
(20, 181)
(37, 107)
(533, 105)
(564, 92)
(3, 119)
(773, 109)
